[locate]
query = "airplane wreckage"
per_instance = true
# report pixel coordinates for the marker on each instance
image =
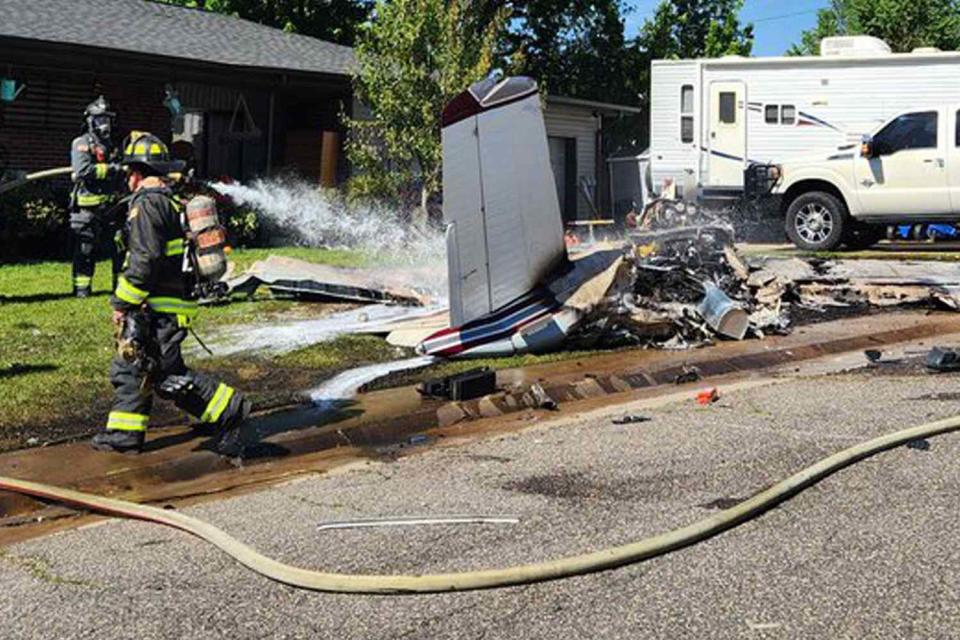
(673, 281)
(678, 281)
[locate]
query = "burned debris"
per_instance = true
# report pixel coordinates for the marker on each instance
(683, 284)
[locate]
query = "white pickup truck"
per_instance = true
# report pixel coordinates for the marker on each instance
(907, 171)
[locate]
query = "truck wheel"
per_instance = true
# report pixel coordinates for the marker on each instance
(816, 221)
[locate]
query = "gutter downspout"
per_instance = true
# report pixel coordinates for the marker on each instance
(270, 132)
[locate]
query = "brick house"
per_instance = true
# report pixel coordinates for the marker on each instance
(255, 100)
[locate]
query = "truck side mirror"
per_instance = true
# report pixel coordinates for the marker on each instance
(867, 148)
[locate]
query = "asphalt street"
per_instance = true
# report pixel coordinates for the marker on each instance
(870, 552)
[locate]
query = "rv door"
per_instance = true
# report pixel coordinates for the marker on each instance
(728, 134)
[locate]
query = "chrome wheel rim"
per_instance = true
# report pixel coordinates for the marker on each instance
(814, 223)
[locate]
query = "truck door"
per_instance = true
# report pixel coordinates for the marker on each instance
(908, 173)
(953, 158)
(728, 133)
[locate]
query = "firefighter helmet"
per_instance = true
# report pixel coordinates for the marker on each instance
(99, 118)
(146, 149)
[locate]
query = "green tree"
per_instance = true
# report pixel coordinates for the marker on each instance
(696, 29)
(903, 24)
(413, 58)
(573, 48)
(332, 20)
(691, 29)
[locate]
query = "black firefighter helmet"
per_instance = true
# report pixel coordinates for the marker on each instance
(148, 150)
(99, 118)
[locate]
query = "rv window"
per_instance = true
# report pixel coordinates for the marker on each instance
(728, 107)
(957, 134)
(788, 114)
(686, 99)
(686, 129)
(909, 131)
(771, 114)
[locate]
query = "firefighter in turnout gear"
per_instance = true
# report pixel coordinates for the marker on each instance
(97, 180)
(153, 306)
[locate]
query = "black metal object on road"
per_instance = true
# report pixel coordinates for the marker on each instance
(462, 386)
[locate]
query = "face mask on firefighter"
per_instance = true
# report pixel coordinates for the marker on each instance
(101, 125)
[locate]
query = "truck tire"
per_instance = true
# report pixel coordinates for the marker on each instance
(816, 221)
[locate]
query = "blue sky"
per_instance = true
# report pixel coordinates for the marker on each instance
(776, 24)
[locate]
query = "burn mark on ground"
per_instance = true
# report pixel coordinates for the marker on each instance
(722, 503)
(575, 485)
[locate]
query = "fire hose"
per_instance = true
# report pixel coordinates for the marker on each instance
(490, 578)
(31, 177)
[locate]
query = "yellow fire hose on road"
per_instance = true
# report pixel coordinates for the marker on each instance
(489, 578)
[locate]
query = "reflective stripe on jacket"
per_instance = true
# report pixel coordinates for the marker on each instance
(96, 180)
(153, 270)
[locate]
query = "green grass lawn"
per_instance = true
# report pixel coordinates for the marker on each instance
(55, 349)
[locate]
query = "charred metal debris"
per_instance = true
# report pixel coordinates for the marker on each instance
(682, 284)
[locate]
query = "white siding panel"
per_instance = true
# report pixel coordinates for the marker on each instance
(852, 95)
(854, 98)
(670, 158)
(565, 121)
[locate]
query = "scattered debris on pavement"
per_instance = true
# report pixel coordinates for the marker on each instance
(541, 399)
(631, 419)
(462, 386)
(687, 375)
(410, 521)
(919, 445)
(942, 360)
(708, 396)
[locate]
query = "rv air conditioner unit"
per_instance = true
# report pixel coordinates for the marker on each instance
(853, 46)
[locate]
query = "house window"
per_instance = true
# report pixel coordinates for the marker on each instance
(957, 132)
(771, 114)
(686, 113)
(788, 114)
(728, 107)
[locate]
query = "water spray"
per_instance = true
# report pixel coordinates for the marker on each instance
(299, 213)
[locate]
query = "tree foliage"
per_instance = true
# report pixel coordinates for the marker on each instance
(696, 29)
(690, 29)
(574, 48)
(903, 24)
(332, 20)
(413, 58)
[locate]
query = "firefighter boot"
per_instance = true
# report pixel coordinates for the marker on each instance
(118, 441)
(230, 442)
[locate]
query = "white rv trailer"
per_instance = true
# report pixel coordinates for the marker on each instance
(711, 118)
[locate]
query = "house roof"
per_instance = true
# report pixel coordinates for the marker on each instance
(605, 108)
(151, 28)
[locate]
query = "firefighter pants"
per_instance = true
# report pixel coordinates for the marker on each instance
(198, 394)
(87, 226)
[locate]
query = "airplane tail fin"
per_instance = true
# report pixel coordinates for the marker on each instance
(505, 232)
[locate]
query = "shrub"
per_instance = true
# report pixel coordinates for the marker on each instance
(34, 222)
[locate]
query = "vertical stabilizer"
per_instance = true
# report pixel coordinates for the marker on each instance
(505, 233)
